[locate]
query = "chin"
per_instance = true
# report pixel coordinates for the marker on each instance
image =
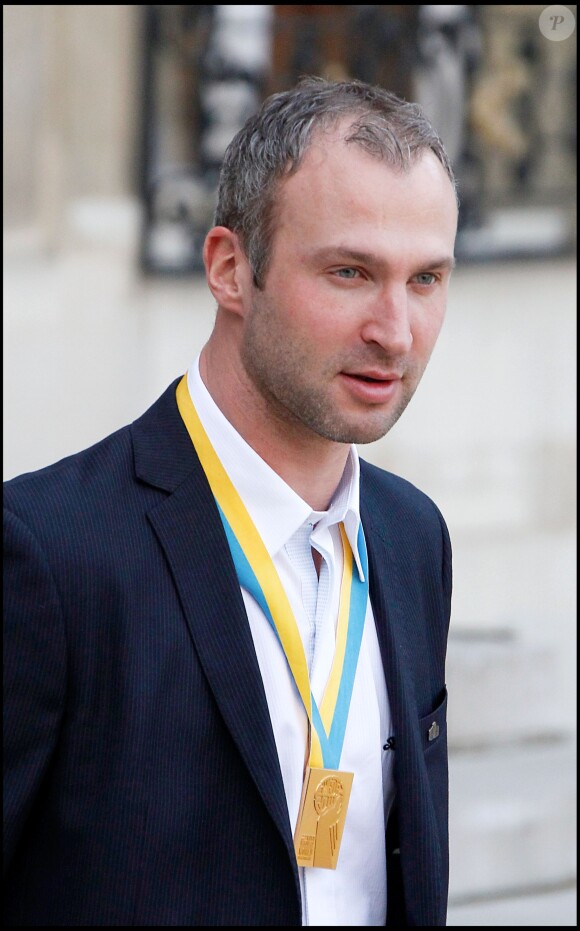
(357, 432)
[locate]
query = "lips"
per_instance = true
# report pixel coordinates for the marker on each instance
(371, 386)
(373, 376)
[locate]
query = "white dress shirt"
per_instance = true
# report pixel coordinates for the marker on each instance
(355, 892)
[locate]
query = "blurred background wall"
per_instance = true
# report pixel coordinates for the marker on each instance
(115, 121)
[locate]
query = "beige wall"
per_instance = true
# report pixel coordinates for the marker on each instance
(70, 109)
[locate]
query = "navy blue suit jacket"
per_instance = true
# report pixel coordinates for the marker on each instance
(142, 782)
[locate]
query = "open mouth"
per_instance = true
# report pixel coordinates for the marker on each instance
(372, 379)
(373, 389)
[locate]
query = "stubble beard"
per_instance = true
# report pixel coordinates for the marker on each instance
(277, 369)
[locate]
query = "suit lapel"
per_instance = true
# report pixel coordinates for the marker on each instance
(190, 532)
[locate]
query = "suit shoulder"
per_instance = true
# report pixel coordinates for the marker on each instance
(379, 481)
(384, 492)
(89, 474)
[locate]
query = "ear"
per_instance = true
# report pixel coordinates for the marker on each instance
(227, 269)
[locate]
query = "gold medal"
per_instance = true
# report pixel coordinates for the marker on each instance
(321, 817)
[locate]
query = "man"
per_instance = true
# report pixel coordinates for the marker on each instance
(225, 635)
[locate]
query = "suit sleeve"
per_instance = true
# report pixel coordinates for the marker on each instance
(447, 571)
(34, 674)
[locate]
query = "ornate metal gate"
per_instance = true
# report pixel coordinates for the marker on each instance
(498, 90)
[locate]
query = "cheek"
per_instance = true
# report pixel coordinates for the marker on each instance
(311, 315)
(426, 323)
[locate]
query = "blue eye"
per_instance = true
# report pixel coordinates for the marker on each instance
(425, 278)
(347, 272)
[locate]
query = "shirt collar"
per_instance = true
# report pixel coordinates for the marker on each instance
(275, 508)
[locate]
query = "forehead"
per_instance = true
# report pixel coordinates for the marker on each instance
(341, 190)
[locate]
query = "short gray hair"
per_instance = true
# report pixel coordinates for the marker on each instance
(272, 144)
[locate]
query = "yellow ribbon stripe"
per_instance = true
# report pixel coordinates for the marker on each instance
(256, 553)
(331, 692)
(251, 547)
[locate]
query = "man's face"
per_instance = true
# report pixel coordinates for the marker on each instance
(355, 292)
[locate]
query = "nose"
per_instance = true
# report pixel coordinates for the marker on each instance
(388, 322)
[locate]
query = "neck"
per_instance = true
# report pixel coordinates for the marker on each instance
(310, 464)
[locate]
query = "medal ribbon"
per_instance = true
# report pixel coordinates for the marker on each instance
(257, 574)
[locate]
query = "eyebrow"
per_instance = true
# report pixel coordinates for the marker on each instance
(339, 253)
